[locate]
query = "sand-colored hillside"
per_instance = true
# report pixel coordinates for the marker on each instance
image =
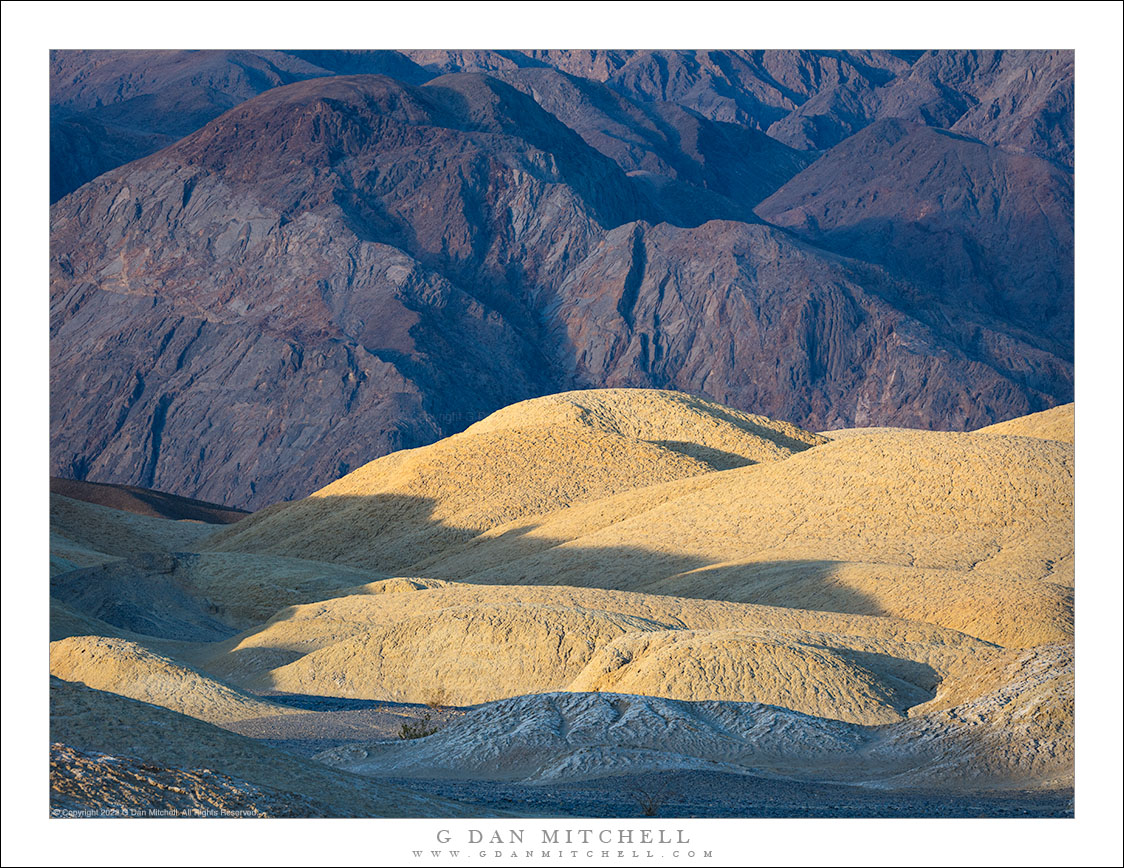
(529, 459)
(128, 669)
(974, 533)
(798, 670)
(93, 720)
(1053, 424)
(86, 533)
(628, 581)
(464, 644)
(721, 436)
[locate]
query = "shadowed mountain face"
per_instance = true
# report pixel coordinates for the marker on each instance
(792, 332)
(340, 254)
(976, 229)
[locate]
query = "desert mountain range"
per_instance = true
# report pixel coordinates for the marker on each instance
(269, 268)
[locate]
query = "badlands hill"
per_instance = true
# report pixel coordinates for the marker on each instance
(598, 583)
(465, 644)
(954, 529)
(529, 459)
(1018, 735)
(1053, 424)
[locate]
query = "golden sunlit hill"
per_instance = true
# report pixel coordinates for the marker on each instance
(465, 644)
(529, 459)
(1053, 424)
(967, 531)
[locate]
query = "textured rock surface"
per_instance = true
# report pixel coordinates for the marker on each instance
(1019, 100)
(88, 783)
(574, 736)
(163, 326)
(985, 237)
(790, 332)
(112, 107)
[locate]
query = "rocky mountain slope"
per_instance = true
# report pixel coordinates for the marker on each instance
(335, 255)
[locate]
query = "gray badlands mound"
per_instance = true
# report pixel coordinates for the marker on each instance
(1019, 735)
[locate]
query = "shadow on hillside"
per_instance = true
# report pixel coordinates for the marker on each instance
(396, 535)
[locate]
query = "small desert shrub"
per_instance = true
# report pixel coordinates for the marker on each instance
(651, 800)
(419, 729)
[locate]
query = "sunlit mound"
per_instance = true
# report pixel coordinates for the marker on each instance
(721, 436)
(529, 459)
(126, 668)
(464, 644)
(974, 533)
(971, 532)
(1053, 424)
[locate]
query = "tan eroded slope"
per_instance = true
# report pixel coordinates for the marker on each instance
(128, 669)
(529, 459)
(974, 533)
(1053, 424)
(464, 644)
